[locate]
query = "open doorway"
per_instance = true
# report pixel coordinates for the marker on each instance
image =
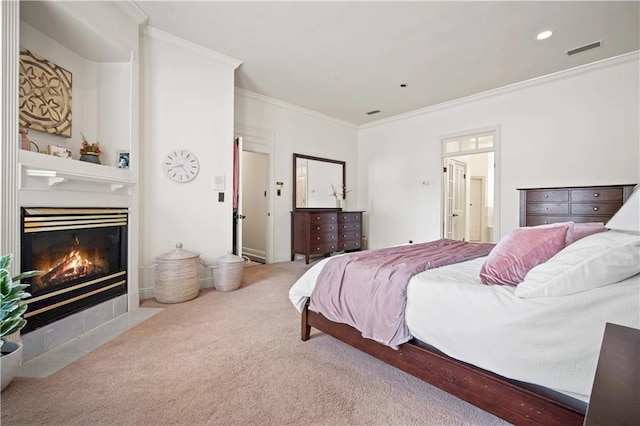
(469, 195)
(253, 235)
(255, 171)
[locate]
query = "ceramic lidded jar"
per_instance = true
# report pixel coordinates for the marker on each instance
(227, 272)
(177, 275)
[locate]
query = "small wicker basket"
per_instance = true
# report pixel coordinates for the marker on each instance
(227, 272)
(177, 276)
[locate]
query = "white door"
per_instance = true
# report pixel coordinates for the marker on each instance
(237, 197)
(455, 199)
(476, 207)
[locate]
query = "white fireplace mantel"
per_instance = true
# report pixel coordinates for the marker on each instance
(44, 172)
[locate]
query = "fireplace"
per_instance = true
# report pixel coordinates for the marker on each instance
(83, 255)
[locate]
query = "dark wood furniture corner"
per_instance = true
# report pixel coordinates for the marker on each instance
(540, 206)
(615, 396)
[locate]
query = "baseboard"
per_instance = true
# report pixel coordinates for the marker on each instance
(254, 254)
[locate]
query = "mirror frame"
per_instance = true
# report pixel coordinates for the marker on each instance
(327, 160)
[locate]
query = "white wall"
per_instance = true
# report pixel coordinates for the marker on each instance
(187, 103)
(299, 131)
(576, 128)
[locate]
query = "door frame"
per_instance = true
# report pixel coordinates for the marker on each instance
(497, 160)
(262, 141)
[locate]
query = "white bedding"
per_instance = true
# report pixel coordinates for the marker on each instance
(549, 341)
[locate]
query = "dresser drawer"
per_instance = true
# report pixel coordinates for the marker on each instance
(323, 238)
(322, 218)
(350, 235)
(349, 226)
(323, 248)
(350, 217)
(593, 195)
(350, 245)
(595, 208)
(323, 228)
(545, 220)
(548, 208)
(547, 196)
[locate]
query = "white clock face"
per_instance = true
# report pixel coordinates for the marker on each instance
(180, 165)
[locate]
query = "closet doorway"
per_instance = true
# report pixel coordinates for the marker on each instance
(469, 191)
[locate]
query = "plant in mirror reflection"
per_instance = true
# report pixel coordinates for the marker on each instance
(338, 193)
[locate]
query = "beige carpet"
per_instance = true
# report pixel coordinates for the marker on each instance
(231, 358)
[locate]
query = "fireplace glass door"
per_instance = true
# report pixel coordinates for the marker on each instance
(82, 254)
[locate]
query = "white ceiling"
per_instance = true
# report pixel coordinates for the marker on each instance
(343, 59)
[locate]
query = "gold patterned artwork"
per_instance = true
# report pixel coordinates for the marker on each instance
(45, 95)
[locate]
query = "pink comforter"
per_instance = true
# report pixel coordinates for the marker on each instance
(368, 290)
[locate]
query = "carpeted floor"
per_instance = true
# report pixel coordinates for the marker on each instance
(231, 358)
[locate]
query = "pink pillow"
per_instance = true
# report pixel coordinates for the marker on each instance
(581, 230)
(521, 250)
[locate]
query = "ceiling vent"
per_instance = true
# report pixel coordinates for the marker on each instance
(584, 48)
(375, 111)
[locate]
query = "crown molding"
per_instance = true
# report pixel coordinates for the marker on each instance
(571, 72)
(192, 47)
(266, 99)
(134, 12)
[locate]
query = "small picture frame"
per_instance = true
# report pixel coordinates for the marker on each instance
(58, 151)
(123, 158)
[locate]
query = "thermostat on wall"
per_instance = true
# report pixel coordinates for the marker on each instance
(218, 182)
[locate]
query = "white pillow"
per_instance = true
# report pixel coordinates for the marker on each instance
(594, 261)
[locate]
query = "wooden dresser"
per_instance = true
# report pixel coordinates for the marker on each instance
(324, 231)
(539, 206)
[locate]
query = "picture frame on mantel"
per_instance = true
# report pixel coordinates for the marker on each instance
(123, 158)
(58, 151)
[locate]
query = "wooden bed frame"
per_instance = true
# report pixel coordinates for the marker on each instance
(517, 402)
(499, 396)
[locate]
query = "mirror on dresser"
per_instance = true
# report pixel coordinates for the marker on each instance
(319, 224)
(314, 181)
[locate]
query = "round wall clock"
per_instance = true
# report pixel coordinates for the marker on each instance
(180, 165)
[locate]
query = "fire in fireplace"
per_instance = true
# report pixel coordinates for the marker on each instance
(83, 256)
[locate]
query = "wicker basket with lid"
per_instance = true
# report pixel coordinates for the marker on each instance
(177, 275)
(227, 272)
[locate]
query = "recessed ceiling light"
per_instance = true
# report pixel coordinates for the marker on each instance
(543, 35)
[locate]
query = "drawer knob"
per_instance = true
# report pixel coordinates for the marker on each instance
(318, 238)
(318, 228)
(596, 195)
(546, 195)
(546, 208)
(344, 236)
(595, 209)
(318, 218)
(333, 237)
(318, 248)
(546, 221)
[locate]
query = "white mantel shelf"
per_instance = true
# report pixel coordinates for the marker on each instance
(56, 171)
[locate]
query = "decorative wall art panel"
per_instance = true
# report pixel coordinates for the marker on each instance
(45, 95)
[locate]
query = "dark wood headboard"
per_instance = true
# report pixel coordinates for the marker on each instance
(539, 206)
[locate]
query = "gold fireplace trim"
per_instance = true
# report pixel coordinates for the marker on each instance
(80, 211)
(73, 299)
(31, 227)
(75, 287)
